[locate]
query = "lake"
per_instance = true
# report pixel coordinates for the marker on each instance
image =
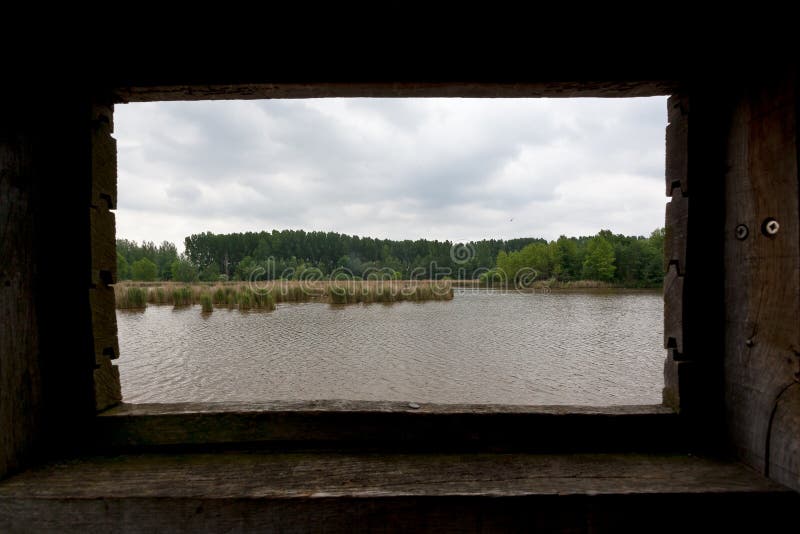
(488, 347)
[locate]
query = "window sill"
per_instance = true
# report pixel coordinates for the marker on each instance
(391, 425)
(245, 491)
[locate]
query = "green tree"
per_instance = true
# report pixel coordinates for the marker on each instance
(144, 269)
(165, 255)
(245, 268)
(210, 273)
(599, 262)
(183, 271)
(123, 269)
(571, 266)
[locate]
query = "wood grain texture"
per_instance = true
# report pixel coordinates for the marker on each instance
(104, 249)
(20, 378)
(783, 462)
(104, 323)
(762, 281)
(104, 157)
(632, 512)
(677, 154)
(345, 492)
(392, 425)
(681, 384)
(693, 290)
(676, 231)
(297, 475)
(673, 311)
(554, 89)
(107, 389)
(102, 223)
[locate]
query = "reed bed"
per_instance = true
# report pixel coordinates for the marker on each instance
(130, 297)
(206, 303)
(266, 295)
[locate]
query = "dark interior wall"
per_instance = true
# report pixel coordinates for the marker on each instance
(45, 331)
(20, 376)
(748, 165)
(762, 277)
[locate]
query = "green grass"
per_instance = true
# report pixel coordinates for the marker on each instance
(133, 298)
(182, 296)
(206, 303)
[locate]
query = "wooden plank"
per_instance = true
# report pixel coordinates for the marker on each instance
(298, 475)
(783, 459)
(677, 220)
(374, 407)
(709, 512)
(104, 323)
(673, 311)
(762, 284)
(107, 390)
(391, 424)
(20, 376)
(677, 153)
(150, 92)
(104, 157)
(681, 382)
(345, 492)
(104, 249)
(227, 476)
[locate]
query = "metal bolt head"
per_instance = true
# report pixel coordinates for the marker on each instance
(742, 232)
(772, 227)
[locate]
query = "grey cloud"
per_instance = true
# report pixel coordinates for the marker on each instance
(275, 164)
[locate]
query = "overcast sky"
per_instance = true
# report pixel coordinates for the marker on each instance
(455, 169)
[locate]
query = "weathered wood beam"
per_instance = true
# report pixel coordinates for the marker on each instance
(392, 492)
(107, 389)
(762, 279)
(20, 373)
(391, 424)
(456, 89)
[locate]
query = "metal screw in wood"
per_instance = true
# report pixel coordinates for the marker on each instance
(742, 232)
(773, 227)
(770, 227)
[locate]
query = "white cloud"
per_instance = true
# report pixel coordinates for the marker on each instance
(398, 168)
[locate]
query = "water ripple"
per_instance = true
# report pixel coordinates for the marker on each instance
(481, 347)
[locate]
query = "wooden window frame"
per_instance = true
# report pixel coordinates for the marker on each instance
(383, 423)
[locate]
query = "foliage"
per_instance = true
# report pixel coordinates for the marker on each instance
(132, 297)
(183, 271)
(144, 269)
(162, 256)
(291, 253)
(182, 296)
(631, 261)
(206, 303)
(599, 262)
(123, 268)
(243, 296)
(210, 273)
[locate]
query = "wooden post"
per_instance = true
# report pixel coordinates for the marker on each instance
(762, 279)
(20, 376)
(103, 257)
(677, 215)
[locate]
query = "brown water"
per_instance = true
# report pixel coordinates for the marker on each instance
(481, 347)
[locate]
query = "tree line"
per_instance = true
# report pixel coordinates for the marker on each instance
(635, 261)
(630, 261)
